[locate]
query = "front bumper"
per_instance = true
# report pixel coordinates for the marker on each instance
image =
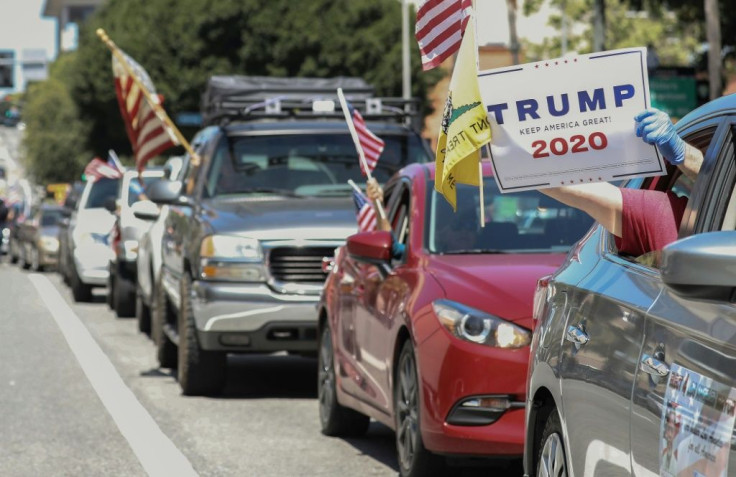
(453, 371)
(240, 317)
(92, 263)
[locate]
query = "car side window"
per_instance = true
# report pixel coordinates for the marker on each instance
(400, 218)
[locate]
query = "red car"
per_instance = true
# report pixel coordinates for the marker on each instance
(434, 341)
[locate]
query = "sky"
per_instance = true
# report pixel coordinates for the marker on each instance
(21, 27)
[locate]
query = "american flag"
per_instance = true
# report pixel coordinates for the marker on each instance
(439, 29)
(148, 132)
(97, 169)
(364, 212)
(371, 144)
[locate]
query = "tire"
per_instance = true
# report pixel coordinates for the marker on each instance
(200, 372)
(165, 349)
(142, 313)
(123, 297)
(23, 261)
(335, 419)
(35, 261)
(109, 299)
(80, 291)
(13, 252)
(414, 459)
(551, 460)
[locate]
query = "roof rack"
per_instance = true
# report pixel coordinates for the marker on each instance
(230, 98)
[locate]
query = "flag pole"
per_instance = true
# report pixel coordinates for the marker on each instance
(356, 140)
(154, 104)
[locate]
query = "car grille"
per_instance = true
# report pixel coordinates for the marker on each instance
(298, 264)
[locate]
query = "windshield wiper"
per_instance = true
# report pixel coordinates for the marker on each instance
(475, 251)
(268, 190)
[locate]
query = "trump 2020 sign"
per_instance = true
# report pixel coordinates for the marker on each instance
(569, 120)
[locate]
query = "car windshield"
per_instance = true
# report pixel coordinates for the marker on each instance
(522, 222)
(102, 189)
(135, 190)
(50, 217)
(303, 164)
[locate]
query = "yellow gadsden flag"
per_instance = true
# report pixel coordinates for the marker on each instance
(465, 128)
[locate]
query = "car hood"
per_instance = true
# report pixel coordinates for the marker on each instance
(277, 218)
(502, 284)
(97, 220)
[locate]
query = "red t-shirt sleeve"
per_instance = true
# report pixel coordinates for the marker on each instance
(650, 220)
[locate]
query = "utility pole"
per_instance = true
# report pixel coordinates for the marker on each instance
(406, 64)
(513, 35)
(713, 33)
(599, 25)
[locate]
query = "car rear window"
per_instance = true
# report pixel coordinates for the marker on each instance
(526, 222)
(49, 218)
(303, 164)
(102, 189)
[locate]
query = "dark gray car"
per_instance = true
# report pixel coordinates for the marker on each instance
(633, 362)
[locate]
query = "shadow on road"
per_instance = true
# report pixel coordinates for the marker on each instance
(270, 376)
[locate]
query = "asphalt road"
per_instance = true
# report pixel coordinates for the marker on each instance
(82, 395)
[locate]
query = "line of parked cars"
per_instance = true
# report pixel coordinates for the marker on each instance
(525, 335)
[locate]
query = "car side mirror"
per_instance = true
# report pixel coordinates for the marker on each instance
(167, 192)
(372, 247)
(702, 266)
(110, 204)
(145, 210)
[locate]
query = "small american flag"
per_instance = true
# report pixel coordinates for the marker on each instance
(439, 29)
(364, 212)
(148, 132)
(98, 169)
(371, 144)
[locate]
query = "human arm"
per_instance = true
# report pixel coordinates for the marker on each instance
(602, 201)
(374, 192)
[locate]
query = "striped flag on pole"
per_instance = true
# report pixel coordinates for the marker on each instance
(98, 169)
(439, 29)
(148, 132)
(364, 210)
(371, 144)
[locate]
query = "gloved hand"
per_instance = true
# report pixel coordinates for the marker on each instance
(655, 127)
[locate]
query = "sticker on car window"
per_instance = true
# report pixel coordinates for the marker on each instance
(697, 424)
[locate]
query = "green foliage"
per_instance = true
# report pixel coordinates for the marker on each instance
(54, 136)
(675, 35)
(181, 43)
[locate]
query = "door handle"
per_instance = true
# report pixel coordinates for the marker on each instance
(577, 335)
(651, 365)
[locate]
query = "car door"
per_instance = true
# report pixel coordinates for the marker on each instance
(373, 316)
(683, 402)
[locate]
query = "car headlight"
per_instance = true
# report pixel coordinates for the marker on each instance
(87, 238)
(479, 327)
(225, 257)
(50, 244)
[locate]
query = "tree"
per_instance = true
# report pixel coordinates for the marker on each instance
(54, 136)
(181, 43)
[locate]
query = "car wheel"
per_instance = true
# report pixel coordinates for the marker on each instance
(335, 419)
(200, 372)
(23, 262)
(142, 312)
(414, 459)
(165, 349)
(123, 297)
(13, 252)
(35, 261)
(109, 299)
(81, 291)
(551, 460)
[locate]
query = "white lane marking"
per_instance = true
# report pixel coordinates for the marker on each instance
(156, 453)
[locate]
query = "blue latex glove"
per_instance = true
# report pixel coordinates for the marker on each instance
(655, 127)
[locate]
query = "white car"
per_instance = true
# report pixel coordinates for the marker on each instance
(149, 248)
(89, 230)
(126, 235)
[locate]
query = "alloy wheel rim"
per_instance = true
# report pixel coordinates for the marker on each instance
(326, 376)
(552, 459)
(407, 429)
